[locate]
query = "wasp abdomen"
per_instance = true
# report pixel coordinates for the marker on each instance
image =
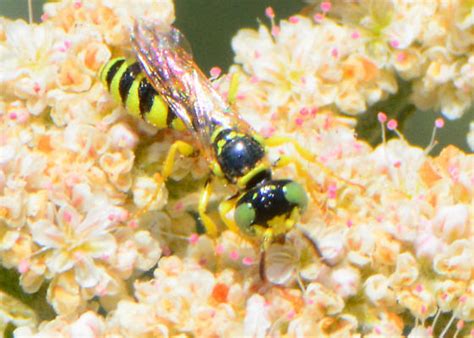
(128, 85)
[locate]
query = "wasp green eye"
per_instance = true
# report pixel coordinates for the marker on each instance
(244, 217)
(296, 194)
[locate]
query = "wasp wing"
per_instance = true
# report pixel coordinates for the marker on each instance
(169, 65)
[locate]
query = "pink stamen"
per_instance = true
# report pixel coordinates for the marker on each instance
(275, 30)
(397, 164)
(36, 88)
(166, 251)
(234, 255)
(293, 19)
(355, 35)
(402, 56)
(318, 17)
(299, 121)
(78, 256)
(291, 315)
(394, 43)
(44, 17)
(349, 223)
(325, 6)
(254, 79)
(215, 72)
(314, 111)
(423, 309)
(133, 224)
(392, 124)
(193, 239)
(100, 289)
(13, 116)
(335, 52)
(247, 261)
(382, 117)
(179, 206)
(257, 54)
(332, 190)
(77, 4)
(24, 266)
(419, 288)
(460, 324)
(378, 330)
(219, 249)
(304, 111)
(67, 217)
(269, 12)
(439, 122)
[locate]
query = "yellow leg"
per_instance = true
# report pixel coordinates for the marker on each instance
(284, 160)
(224, 208)
(183, 148)
(211, 228)
(276, 141)
(234, 84)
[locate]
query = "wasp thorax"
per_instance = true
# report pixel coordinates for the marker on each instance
(275, 204)
(239, 154)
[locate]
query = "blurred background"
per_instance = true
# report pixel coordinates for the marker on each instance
(209, 26)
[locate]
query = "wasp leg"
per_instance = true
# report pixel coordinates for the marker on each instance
(208, 223)
(276, 141)
(233, 89)
(224, 208)
(284, 161)
(184, 149)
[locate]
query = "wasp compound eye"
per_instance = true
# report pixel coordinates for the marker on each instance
(244, 217)
(296, 194)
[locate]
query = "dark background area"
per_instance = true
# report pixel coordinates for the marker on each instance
(209, 25)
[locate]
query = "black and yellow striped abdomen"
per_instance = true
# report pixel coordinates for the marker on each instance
(129, 85)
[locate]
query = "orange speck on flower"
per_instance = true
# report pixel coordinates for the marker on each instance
(220, 292)
(72, 79)
(44, 144)
(371, 70)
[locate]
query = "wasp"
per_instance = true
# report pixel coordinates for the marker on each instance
(167, 89)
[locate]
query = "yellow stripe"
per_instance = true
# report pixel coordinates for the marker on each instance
(242, 182)
(114, 86)
(104, 70)
(133, 100)
(158, 113)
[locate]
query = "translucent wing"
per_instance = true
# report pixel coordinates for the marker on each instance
(168, 63)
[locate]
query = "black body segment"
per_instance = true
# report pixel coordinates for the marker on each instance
(127, 79)
(237, 153)
(113, 68)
